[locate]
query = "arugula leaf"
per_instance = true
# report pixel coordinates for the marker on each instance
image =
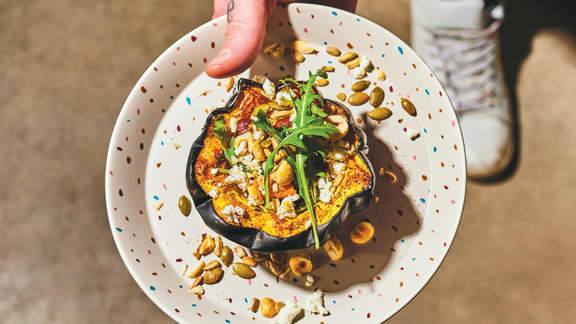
(263, 123)
(221, 130)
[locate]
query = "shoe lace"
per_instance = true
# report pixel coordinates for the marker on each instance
(466, 61)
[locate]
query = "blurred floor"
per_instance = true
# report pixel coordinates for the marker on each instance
(66, 68)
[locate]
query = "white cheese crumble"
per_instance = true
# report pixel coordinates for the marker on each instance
(233, 213)
(286, 208)
(325, 190)
(315, 303)
(288, 313)
(241, 149)
(283, 99)
(213, 171)
(258, 135)
(233, 124)
(252, 163)
(213, 193)
(338, 167)
(237, 176)
(269, 89)
(292, 116)
(358, 73)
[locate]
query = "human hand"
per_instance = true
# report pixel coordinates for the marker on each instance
(246, 25)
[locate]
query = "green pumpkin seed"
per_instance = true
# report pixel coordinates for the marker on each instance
(360, 86)
(213, 276)
(212, 265)
(357, 99)
(243, 271)
(227, 256)
(376, 97)
(184, 205)
(380, 113)
(408, 107)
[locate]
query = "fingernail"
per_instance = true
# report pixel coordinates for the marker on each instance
(221, 59)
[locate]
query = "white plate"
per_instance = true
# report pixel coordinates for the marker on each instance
(415, 218)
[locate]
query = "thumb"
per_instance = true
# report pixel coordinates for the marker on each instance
(246, 22)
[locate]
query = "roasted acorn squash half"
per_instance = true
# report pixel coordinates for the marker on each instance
(261, 206)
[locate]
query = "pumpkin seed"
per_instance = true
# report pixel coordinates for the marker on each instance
(207, 245)
(197, 282)
(227, 256)
(376, 97)
(249, 261)
(333, 248)
(276, 268)
(321, 82)
(380, 113)
(362, 233)
(197, 270)
(353, 63)
(299, 58)
(333, 51)
(328, 68)
(243, 271)
(357, 99)
(347, 57)
(254, 305)
(359, 86)
(381, 75)
(218, 247)
(278, 257)
(212, 265)
(213, 276)
(240, 252)
(341, 96)
(303, 47)
(408, 107)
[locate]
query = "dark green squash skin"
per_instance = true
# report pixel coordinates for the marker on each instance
(256, 239)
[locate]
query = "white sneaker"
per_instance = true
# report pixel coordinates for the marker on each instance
(459, 40)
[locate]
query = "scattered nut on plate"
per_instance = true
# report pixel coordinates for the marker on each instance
(362, 233)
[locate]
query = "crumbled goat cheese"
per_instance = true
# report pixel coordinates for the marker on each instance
(288, 313)
(338, 167)
(233, 124)
(258, 135)
(283, 99)
(325, 190)
(292, 116)
(213, 171)
(213, 193)
(241, 149)
(252, 163)
(315, 303)
(286, 208)
(269, 89)
(233, 213)
(237, 176)
(358, 72)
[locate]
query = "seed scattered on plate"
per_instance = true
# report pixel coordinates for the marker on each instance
(357, 99)
(321, 82)
(198, 290)
(333, 51)
(158, 206)
(227, 256)
(381, 75)
(362, 233)
(207, 245)
(303, 47)
(243, 271)
(328, 68)
(408, 107)
(213, 276)
(197, 271)
(254, 305)
(353, 63)
(299, 58)
(376, 97)
(380, 113)
(359, 86)
(184, 205)
(341, 96)
(347, 57)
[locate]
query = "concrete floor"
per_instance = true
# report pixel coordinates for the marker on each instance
(68, 65)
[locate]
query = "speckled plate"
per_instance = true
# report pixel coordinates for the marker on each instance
(415, 217)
